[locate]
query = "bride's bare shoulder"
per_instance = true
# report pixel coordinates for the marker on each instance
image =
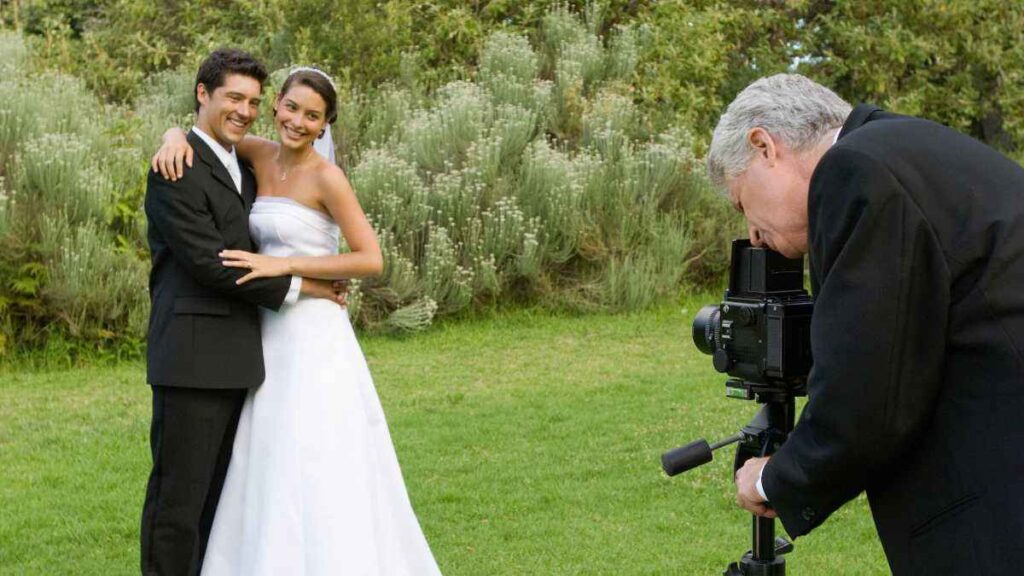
(332, 179)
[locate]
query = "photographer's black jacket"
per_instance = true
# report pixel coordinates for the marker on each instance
(917, 392)
(204, 330)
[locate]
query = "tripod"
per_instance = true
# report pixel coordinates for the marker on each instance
(761, 437)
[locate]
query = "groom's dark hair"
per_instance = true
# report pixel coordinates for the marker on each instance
(222, 62)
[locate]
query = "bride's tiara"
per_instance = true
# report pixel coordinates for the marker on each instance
(315, 71)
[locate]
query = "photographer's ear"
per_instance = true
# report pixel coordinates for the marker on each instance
(764, 146)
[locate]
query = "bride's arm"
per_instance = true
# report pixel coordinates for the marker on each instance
(175, 152)
(363, 261)
(255, 149)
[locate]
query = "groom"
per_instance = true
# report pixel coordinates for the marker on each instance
(204, 348)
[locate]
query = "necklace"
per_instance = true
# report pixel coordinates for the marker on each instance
(293, 168)
(284, 169)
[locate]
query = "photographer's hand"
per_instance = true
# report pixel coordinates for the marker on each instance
(747, 496)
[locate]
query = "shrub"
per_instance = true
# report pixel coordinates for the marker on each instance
(69, 212)
(959, 63)
(116, 44)
(5, 200)
(514, 187)
(55, 172)
(94, 288)
(538, 180)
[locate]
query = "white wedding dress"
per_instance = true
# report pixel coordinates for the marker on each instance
(314, 486)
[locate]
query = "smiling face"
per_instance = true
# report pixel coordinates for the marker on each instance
(300, 115)
(227, 113)
(772, 194)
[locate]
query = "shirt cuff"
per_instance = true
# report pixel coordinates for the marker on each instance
(293, 291)
(760, 488)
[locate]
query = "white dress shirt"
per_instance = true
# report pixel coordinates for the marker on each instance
(227, 157)
(230, 161)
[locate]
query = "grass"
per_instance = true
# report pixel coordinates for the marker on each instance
(529, 443)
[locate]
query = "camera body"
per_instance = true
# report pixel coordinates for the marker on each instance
(760, 333)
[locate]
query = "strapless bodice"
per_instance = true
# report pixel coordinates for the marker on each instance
(283, 227)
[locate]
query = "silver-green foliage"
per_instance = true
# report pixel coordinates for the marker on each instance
(95, 287)
(55, 171)
(5, 201)
(539, 177)
(67, 167)
(32, 104)
(167, 100)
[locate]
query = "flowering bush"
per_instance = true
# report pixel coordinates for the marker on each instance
(536, 181)
(69, 210)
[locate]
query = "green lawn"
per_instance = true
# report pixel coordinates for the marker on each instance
(530, 444)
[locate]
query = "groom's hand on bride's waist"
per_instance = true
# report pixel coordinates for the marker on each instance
(335, 290)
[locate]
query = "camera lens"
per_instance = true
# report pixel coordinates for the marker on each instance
(706, 327)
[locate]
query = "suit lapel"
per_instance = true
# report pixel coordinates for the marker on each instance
(248, 187)
(208, 157)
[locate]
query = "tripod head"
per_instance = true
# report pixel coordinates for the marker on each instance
(758, 438)
(762, 436)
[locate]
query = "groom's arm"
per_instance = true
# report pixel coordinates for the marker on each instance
(179, 212)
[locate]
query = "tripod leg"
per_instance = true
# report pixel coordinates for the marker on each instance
(764, 539)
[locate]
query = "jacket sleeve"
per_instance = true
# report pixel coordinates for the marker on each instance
(181, 216)
(878, 337)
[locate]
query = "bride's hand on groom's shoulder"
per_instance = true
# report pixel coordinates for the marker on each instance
(172, 157)
(258, 265)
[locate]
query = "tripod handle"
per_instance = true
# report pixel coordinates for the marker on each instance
(692, 455)
(686, 457)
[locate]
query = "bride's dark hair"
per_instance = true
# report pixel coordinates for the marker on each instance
(318, 82)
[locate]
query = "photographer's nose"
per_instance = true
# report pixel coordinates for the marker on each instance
(755, 236)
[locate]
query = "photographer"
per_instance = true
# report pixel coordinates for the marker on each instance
(916, 240)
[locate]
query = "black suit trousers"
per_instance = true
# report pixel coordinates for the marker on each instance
(191, 437)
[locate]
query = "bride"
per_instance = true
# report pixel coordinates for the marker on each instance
(314, 485)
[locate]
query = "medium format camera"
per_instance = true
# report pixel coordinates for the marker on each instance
(760, 333)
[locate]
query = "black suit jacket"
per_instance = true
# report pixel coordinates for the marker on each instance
(917, 391)
(204, 329)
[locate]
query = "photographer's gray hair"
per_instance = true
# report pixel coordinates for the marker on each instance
(790, 107)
